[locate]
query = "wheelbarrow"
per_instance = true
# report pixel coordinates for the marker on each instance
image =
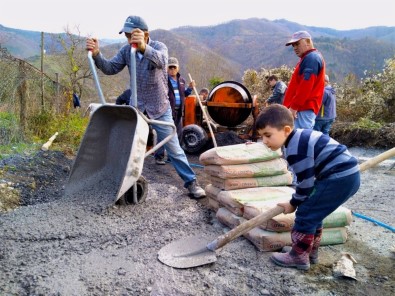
(111, 155)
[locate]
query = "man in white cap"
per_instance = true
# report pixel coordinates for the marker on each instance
(178, 90)
(152, 89)
(306, 87)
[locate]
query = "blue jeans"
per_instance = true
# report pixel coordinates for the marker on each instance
(323, 125)
(160, 153)
(305, 119)
(327, 196)
(174, 151)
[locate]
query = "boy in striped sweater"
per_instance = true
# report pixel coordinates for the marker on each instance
(327, 176)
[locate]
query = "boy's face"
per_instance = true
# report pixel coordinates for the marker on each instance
(274, 138)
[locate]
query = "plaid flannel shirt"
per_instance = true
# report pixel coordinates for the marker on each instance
(151, 75)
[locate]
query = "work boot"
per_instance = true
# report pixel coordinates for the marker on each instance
(160, 161)
(314, 251)
(195, 191)
(298, 257)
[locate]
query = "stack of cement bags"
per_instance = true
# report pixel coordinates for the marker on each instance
(248, 179)
(245, 166)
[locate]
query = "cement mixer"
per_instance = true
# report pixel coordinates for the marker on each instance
(229, 105)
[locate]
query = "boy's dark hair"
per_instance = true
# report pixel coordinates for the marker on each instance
(276, 116)
(272, 77)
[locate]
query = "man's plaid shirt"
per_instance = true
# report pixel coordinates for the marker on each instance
(151, 75)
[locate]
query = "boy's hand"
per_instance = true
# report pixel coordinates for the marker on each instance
(288, 208)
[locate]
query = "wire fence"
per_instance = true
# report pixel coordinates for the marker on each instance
(26, 91)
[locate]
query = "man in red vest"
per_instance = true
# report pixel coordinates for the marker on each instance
(306, 88)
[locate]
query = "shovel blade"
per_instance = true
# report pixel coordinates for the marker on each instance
(187, 252)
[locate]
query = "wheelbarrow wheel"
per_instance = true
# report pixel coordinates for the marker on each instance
(142, 192)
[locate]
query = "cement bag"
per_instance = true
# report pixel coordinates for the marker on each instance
(239, 197)
(213, 204)
(240, 183)
(339, 218)
(212, 191)
(230, 205)
(228, 218)
(272, 167)
(238, 154)
(280, 223)
(273, 241)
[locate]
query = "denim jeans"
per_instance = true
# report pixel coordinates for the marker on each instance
(323, 126)
(305, 119)
(160, 153)
(327, 196)
(174, 151)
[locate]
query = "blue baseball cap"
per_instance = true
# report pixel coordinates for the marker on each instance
(134, 22)
(297, 36)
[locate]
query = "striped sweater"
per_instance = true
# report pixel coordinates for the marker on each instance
(315, 156)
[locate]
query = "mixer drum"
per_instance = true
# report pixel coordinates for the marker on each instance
(229, 103)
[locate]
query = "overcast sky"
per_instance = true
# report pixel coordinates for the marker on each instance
(104, 19)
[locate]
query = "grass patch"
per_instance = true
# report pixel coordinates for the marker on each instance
(365, 123)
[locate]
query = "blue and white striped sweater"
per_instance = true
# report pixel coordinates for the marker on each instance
(313, 155)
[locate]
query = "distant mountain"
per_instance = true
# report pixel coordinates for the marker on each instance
(228, 49)
(24, 44)
(257, 43)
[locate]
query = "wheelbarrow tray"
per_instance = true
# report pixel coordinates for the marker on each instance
(111, 155)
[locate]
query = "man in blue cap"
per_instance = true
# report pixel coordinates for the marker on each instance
(152, 89)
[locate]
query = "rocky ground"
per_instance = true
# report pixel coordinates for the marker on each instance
(51, 245)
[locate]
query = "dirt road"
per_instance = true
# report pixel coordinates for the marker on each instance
(55, 246)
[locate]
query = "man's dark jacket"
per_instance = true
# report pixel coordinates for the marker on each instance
(184, 92)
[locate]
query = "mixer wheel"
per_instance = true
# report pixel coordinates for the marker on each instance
(194, 138)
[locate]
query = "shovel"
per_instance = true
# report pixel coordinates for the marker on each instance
(204, 113)
(195, 251)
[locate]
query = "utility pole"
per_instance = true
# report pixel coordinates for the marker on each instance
(42, 69)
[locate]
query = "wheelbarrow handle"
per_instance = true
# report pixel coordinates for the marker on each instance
(133, 77)
(96, 77)
(158, 122)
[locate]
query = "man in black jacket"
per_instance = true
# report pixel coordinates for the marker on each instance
(278, 89)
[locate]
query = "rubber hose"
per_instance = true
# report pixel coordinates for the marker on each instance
(374, 221)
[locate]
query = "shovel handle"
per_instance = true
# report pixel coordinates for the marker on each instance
(244, 227)
(377, 159)
(205, 116)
